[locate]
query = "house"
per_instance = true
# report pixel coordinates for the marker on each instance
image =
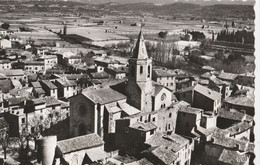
(103, 62)
(227, 118)
(187, 119)
(164, 77)
(5, 64)
(14, 74)
(34, 66)
(201, 97)
(66, 88)
(99, 75)
(49, 61)
(37, 89)
(246, 79)
(168, 149)
(183, 81)
(230, 77)
(220, 86)
(4, 43)
(86, 149)
(117, 73)
(49, 88)
(240, 103)
(71, 60)
(225, 150)
(101, 53)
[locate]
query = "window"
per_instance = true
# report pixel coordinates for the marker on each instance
(126, 129)
(141, 118)
(151, 132)
(171, 84)
(141, 69)
(53, 91)
(154, 119)
(32, 130)
(170, 115)
(23, 120)
(67, 88)
(169, 126)
(148, 72)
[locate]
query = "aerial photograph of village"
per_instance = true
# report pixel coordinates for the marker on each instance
(127, 82)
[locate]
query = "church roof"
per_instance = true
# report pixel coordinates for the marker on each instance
(139, 51)
(103, 95)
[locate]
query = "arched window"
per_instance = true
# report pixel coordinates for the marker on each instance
(149, 118)
(148, 71)
(141, 69)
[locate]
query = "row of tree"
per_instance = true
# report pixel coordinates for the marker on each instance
(238, 36)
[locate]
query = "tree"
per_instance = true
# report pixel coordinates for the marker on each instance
(5, 26)
(162, 34)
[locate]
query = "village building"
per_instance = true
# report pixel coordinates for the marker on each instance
(14, 74)
(5, 64)
(241, 103)
(71, 60)
(220, 86)
(49, 61)
(164, 77)
(230, 77)
(34, 66)
(246, 79)
(168, 149)
(49, 88)
(86, 149)
(117, 73)
(201, 97)
(4, 44)
(66, 88)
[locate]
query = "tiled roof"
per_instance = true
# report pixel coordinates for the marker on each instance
(165, 155)
(118, 69)
(34, 63)
(143, 161)
(228, 142)
(96, 154)
(206, 75)
(103, 95)
(99, 75)
(233, 157)
(239, 128)
(50, 101)
(174, 142)
(128, 109)
(49, 84)
(227, 76)
(143, 126)
(36, 84)
(65, 82)
(12, 72)
(39, 90)
(207, 92)
(240, 100)
(16, 100)
(163, 73)
(217, 81)
(190, 110)
(79, 143)
(232, 115)
(4, 61)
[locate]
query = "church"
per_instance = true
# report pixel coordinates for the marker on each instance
(96, 110)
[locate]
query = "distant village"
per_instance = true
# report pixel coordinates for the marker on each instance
(63, 103)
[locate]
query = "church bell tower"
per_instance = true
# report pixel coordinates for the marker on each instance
(139, 87)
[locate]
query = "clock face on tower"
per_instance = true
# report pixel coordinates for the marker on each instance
(163, 97)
